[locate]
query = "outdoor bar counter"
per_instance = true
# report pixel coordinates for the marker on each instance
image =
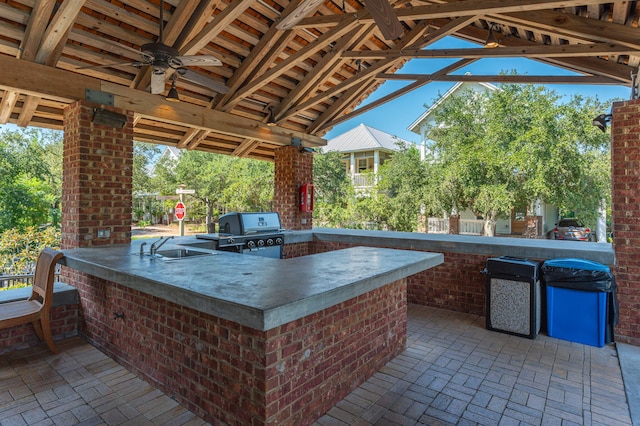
(244, 339)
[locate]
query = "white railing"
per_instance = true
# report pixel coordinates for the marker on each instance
(360, 180)
(11, 280)
(437, 226)
(471, 226)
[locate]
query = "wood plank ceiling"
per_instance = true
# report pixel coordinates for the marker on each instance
(307, 77)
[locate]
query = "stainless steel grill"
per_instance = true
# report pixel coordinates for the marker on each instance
(257, 234)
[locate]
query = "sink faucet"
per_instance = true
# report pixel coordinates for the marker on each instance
(154, 248)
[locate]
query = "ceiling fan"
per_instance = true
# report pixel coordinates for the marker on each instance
(163, 58)
(381, 11)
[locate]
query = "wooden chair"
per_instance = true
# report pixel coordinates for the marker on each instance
(37, 308)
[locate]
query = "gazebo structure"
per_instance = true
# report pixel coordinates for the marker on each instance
(263, 79)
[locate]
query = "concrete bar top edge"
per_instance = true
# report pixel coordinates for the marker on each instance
(261, 293)
(532, 248)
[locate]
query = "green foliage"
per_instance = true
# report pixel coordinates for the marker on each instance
(516, 145)
(402, 181)
(19, 249)
(334, 195)
(31, 182)
(222, 183)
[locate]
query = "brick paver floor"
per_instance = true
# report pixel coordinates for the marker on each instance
(82, 386)
(453, 371)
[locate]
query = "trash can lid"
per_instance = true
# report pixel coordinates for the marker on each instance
(575, 263)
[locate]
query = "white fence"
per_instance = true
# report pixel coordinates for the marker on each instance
(437, 226)
(471, 226)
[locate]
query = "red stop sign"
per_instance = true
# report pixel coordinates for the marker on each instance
(180, 210)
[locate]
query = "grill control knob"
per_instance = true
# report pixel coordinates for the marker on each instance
(251, 244)
(260, 243)
(278, 241)
(270, 242)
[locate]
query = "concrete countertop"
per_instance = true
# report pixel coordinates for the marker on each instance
(261, 293)
(542, 249)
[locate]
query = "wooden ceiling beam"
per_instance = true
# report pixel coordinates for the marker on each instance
(524, 79)
(31, 78)
(347, 24)
(396, 94)
(414, 39)
(562, 51)
(327, 66)
(575, 26)
(454, 8)
(216, 26)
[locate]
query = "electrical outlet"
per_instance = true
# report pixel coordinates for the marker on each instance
(104, 233)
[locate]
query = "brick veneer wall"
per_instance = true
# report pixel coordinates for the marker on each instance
(226, 372)
(97, 179)
(64, 323)
(456, 285)
(292, 169)
(625, 210)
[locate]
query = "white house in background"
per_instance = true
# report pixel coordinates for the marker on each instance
(515, 224)
(364, 150)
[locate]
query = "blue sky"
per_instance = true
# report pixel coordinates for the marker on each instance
(395, 116)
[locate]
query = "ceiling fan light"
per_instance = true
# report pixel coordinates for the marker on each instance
(492, 41)
(172, 96)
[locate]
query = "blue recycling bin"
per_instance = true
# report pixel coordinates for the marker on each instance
(581, 301)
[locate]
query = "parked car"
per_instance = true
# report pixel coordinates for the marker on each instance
(571, 229)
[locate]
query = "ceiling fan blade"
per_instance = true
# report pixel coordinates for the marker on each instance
(158, 78)
(199, 61)
(305, 8)
(202, 80)
(385, 17)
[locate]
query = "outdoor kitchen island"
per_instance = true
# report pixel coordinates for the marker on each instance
(245, 339)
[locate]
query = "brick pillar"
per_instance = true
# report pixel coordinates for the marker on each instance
(454, 224)
(292, 170)
(97, 179)
(625, 215)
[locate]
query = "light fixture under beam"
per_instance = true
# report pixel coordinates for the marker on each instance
(272, 119)
(492, 41)
(172, 96)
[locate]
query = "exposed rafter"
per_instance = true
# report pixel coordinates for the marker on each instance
(309, 67)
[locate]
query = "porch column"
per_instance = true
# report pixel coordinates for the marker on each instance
(625, 215)
(292, 170)
(97, 179)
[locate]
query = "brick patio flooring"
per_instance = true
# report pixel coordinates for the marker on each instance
(453, 371)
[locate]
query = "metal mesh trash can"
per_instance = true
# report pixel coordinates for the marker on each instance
(513, 301)
(582, 306)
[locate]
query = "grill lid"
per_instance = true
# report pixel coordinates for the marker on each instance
(249, 223)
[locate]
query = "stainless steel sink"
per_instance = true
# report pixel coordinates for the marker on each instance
(181, 253)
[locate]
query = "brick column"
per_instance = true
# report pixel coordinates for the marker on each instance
(292, 170)
(625, 212)
(454, 224)
(97, 179)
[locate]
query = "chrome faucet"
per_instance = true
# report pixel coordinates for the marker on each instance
(154, 248)
(144, 243)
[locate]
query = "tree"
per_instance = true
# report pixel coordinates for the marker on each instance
(402, 181)
(222, 183)
(519, 144)
(334, 194)
(30, 191)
